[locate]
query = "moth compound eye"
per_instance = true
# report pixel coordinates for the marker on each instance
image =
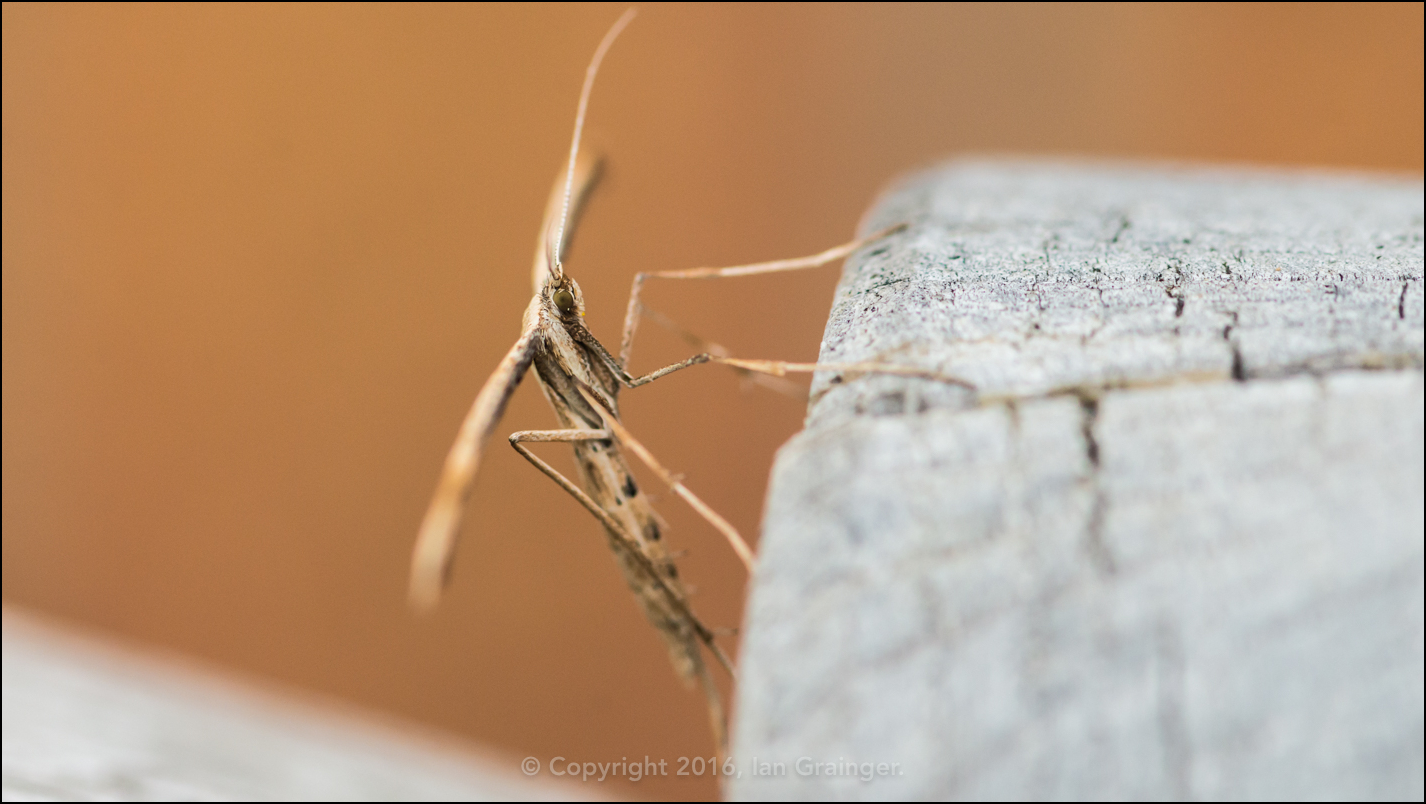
(564, 301)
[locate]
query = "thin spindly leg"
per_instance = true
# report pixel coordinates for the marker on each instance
(627, 439)
(559, 436)
(631, 317)
(716, 716)
(772, 383)
(713, 353)
(616, 530)
(777, 368)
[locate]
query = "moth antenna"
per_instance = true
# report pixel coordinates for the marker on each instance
(556, 268)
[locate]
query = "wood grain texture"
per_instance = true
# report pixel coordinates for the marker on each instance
(1170, 547)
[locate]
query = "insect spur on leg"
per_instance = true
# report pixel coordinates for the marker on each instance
(581, 380)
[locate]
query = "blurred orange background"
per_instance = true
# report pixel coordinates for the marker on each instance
(258, 260)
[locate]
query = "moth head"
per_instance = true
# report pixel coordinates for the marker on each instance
(564, 298)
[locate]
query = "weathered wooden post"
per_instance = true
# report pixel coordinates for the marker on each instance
(1172, 547)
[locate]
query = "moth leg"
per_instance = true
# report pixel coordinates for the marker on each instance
(716, 716)
(771, 373)
(631, 316)
(773, 383)
(564, 482)
(616, 531)
(627, 439)
(779, 368)
(559, 436)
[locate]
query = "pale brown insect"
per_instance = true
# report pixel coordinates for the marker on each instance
(581, 380)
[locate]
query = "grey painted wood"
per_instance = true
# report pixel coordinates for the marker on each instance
(84, 721)
(1170, 547)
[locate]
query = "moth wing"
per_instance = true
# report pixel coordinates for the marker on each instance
(435, 543)
(587, 169)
